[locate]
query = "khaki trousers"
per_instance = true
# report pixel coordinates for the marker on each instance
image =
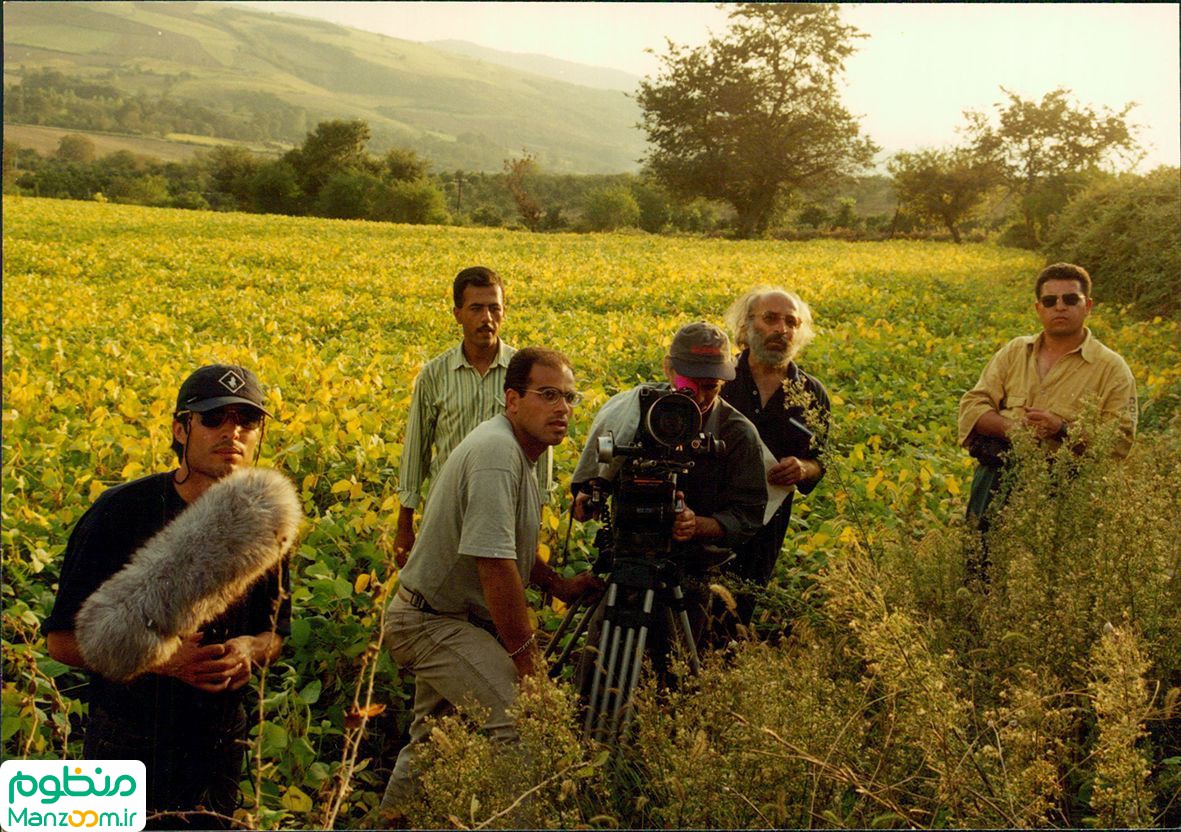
(454, 662)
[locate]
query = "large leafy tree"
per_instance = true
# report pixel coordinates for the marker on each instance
(755, 114)
(333, 147)
(943, 186)
(1045, 150)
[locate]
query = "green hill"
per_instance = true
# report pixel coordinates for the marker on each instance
(456, 110)
(599, 77)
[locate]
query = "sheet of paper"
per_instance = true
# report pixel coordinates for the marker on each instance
(776, 494)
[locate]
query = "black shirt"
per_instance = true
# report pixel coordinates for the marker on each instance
(122, 520)
(771, 419)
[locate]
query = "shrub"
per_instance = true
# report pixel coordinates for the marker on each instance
(914, 697)
(1126, 232)
(417, 202)
(655, 206)
(190, 200)
(607, 209)
(348, 195)
(470, 780)
(274, 189)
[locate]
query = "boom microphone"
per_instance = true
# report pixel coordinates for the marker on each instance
(189, 573)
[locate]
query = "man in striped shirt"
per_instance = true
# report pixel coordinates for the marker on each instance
(456, 391)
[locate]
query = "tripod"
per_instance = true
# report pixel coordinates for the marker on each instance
(639, 591)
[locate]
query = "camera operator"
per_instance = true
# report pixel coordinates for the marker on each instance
(724, 495)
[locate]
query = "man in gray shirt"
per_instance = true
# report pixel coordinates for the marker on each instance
(459, 621)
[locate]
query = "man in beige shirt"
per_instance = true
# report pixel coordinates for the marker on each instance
(1043, 382)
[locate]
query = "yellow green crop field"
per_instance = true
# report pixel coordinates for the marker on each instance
(106, 308)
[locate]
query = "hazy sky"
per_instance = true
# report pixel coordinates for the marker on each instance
(920, 67)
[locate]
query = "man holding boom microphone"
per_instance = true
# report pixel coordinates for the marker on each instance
(182, 717)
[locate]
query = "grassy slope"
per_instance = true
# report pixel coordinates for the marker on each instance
(408, 91)
(177, 148)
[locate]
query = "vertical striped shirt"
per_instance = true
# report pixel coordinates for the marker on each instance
(450, 398)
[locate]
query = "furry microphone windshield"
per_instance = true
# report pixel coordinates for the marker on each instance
(189, 573)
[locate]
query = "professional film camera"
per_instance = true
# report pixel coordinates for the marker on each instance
(642, 562)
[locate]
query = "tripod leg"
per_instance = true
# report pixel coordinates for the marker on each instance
(573, 642)
(604, 637)
(613, 658)
(686, 629)
(632, 662)
(565, 625)
(635, 676)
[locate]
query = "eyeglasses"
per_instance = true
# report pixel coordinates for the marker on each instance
(246, 418)
(1070, 299)
(774, 318)
(552, 395)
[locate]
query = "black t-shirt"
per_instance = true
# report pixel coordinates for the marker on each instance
(771, 420)
(122, 520)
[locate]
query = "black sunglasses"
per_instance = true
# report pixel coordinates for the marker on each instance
(248, 418)
(1070, 299)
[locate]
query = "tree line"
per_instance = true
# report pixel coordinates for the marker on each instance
(52, 98)
(332, 174)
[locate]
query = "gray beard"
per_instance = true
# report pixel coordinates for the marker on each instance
(766, 357)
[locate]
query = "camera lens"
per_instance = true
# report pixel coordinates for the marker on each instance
(673, 419)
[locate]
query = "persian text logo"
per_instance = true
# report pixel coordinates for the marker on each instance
(102, 794)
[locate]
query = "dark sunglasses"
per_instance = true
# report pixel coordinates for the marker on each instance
(1070, 299)
(247, 418)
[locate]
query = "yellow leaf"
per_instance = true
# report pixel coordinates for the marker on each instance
(341, 485)
(361, 583)
(543, 552)
(953, 485)
(848, 535)
(295, 800)
(96, 488)
(309, 482)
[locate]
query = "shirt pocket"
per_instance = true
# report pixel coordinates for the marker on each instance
(1013, 403)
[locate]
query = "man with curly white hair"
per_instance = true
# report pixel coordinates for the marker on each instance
(790, 409)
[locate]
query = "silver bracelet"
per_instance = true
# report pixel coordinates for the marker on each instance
(524, 646)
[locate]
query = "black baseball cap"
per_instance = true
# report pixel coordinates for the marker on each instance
(218, 385)
(701, 350)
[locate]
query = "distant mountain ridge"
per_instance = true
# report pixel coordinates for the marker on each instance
(459, 110)
(597, 77)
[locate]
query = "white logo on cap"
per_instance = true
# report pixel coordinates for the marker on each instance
(232, 381)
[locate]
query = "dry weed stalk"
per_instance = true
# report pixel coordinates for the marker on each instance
(1122, 795)
(362, 709)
